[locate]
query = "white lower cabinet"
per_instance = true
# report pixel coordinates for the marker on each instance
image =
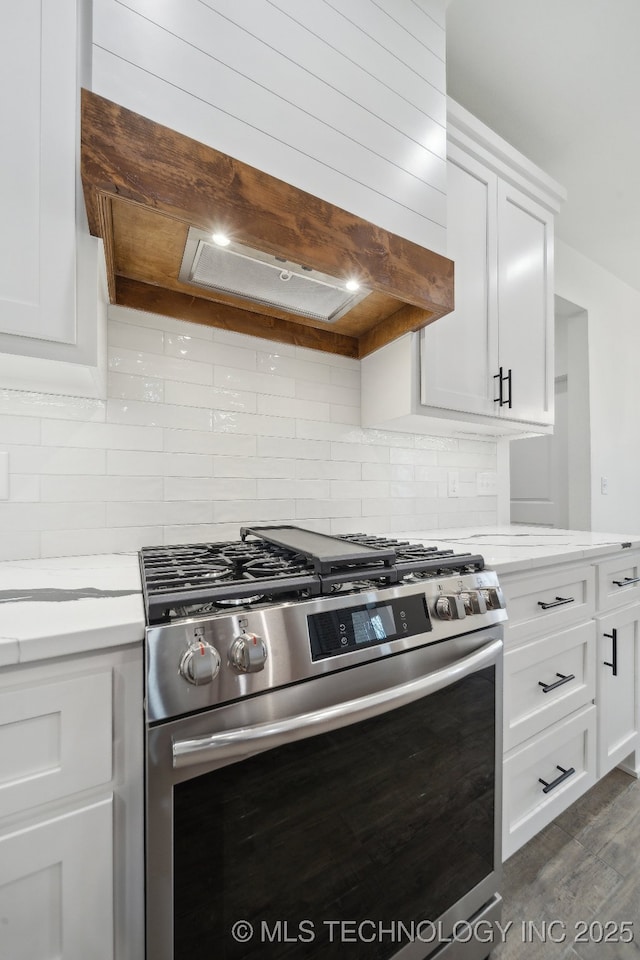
(571, 686)
(549, 719)
(546, 680)
(71, 814)
(617, 691)
(56, 897)
(545, 775)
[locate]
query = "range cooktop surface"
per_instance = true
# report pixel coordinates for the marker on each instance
(282, 563)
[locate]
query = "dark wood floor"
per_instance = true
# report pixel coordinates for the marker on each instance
(583, 870)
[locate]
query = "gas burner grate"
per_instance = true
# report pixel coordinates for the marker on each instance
(186, 580)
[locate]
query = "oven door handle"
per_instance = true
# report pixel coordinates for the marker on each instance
(246, 741)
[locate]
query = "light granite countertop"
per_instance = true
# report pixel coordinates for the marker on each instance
(71, 605)
(68, 605)
(513, 547)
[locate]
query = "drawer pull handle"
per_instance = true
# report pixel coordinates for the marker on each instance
(626, 582)
(556, 603)
(546, 687)
(564, 775)
(614, 652)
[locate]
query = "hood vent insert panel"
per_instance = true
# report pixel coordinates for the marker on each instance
(261, 278)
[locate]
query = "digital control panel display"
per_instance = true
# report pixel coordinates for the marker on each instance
(352, 628)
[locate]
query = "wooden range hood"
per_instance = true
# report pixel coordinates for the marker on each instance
(145, 186)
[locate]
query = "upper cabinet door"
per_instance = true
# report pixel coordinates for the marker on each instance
(459, 352)
(38, 97)
(525, 305)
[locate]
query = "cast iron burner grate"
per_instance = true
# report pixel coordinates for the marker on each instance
(186, 579)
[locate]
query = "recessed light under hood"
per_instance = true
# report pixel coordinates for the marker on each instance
(256, 276)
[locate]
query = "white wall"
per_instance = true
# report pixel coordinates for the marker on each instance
(613, 311)
(345, 101)
(204, 430)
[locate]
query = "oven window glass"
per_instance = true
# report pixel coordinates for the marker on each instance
(390, 820)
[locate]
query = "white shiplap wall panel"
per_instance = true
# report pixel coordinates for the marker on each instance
(384, 22)
(333, 69)
(219, 53)
(285, 117)
(154, 97)
(353, 42)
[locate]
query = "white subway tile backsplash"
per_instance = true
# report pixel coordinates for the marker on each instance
(359, 451)
(408, 455)
(161, 366)
(286, 407)
(297, 449)
(27, 404)
(359, 489)
(237, 379)
(132, 336)
(329, 469)
(46, 460)
(251, 343)
(205, 430)
(130, 387)
(72, 488)
(227, 421)
(24, 487)
(377, 471)
(293, 489)
(129, 464)
(158, 414)
(107, 436)
(349, 415)
(19, 429)
(284, 365)
(253, 511)
(254, 467)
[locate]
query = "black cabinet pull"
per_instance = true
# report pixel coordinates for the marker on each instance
(626, 582)
(556, 603)
(614, 653)
(498, 376)
(548, 787)
(546, 687)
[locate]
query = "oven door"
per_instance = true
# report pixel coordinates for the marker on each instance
(352, 816)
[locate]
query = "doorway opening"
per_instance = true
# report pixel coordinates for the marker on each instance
(551, 475)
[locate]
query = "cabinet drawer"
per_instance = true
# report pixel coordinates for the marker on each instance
(570, 744)
(546, 680)
(614, 580)
(56, 893)
(547, 602)
(55, 739)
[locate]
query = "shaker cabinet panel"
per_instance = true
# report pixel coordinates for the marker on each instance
(525, 306)
(459, 351)
(55, 739)
(546, 775)
(37, 188)
(56, 896)
(618, 581)
(546, 680)
(617, 687)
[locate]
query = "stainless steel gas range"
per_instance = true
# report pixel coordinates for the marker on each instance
(323, 749)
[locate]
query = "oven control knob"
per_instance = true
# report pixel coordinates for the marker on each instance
(200, 663)
(493, 598)
(450, 607)
(248, 653)
(474, 602)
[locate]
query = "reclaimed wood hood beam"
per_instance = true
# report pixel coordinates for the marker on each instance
(145, 184)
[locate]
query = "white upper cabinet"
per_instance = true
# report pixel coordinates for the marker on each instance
(459, 352)
(48, 272)
(489, 363)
